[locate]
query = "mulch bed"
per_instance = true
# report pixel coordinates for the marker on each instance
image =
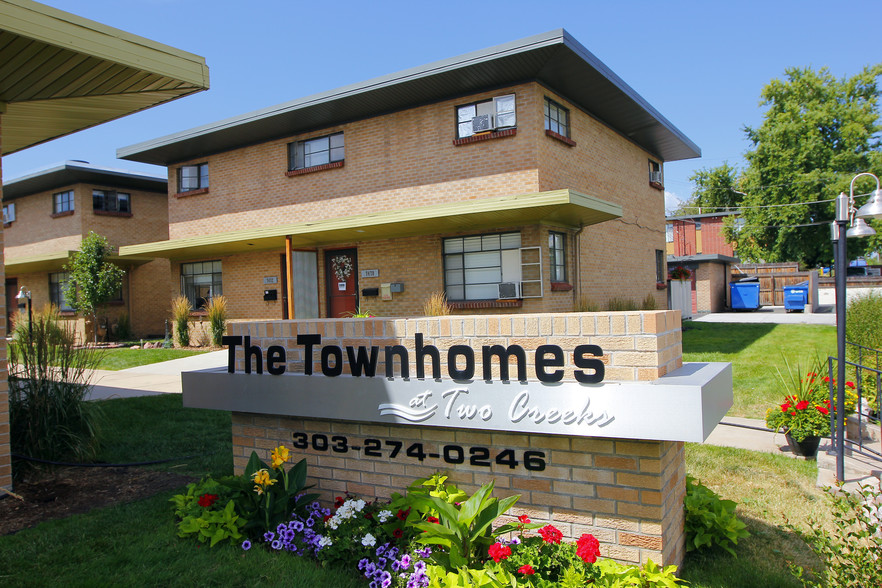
(67, 491)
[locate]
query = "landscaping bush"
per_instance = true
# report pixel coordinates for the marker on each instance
(181, 316)
(123, 328)
(710, 521)
(852, 551)
(217, 318)
(436, 305)
(863, 321)
(48, 382)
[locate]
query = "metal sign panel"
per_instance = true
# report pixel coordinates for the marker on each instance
(684, 405)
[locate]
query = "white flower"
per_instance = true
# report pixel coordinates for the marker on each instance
(325, 542)
(333, 522)
(358, 505)
(369, 540)
(384, 515)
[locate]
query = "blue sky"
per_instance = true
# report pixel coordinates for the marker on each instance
(701, 64)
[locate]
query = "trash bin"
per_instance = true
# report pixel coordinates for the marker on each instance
(745, 294)
(795, 297)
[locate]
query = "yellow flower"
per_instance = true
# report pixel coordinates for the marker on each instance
(261, 480)
(279, 456)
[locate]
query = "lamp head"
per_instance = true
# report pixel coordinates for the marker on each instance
(23, 293)
(873, 207)
(860, 229)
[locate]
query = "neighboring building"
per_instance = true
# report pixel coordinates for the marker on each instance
(698, 234)
(61, 74)
(524, 177)
(48, 213)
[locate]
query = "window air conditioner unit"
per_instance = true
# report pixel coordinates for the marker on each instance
(655, 177)
(508, 290)
(482, 123)
(9, 213)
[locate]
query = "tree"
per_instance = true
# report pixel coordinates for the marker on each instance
(817, 133)
(92, 279)
(714, 190)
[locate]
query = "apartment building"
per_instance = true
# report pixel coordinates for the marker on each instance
(47, 214)
(526, 177)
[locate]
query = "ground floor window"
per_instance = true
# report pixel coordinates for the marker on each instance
(557, 256)
(200, 281)
(474, 266)
(57, 285)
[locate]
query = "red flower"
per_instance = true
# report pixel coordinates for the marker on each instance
(826, 379)
(338, 502)
(802, 405)
(326, 518)
(524, 520)
(206, 500)
(822, 410)
(369, 516)
(402, 514)
(785, 407)
(550, 534)
(398, 533)
(793, 413)
(432, 519)
(526, 570)
(588, 548)
(499, 552)
(850, 385)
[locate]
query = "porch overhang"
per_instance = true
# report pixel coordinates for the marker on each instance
(54, 262)
(62, 73)
(561, 208)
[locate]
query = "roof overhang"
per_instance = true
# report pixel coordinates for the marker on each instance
(60, 73)
(703, 258)
(75, 172)
(53, 262)
(563, 208)
(554, 59)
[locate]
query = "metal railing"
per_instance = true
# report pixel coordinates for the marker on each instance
(867, 385)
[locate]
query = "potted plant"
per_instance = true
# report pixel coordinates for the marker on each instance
(680, 273)
(804, 415)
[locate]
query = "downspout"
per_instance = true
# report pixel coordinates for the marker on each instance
(289, 278)
(577, 290)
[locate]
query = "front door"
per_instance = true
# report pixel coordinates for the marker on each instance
(11, 303)
(341, 271)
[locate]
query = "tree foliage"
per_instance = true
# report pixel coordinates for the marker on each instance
(92, 279)
(816, 134)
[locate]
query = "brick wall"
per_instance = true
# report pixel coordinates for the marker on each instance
(627, 493)
(408, 159)
(5, 449)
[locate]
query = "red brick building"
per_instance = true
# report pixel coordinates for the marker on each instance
(698, 234)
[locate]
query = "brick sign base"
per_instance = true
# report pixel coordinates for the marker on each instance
(627, 493)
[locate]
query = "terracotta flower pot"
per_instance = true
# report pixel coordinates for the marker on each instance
(808, 447)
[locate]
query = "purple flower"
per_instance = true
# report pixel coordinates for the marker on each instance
(269, 536)
(381, 563)
(382, 549)
(392, 553)
(310, 522)
(405, 561)
(297, 526)
(246, 545)
(362, 563)
(277, 544)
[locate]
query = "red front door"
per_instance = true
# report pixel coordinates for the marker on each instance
(341, 272)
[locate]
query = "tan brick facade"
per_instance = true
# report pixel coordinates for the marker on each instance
(409, 159)
(627, 493)
(37, 232)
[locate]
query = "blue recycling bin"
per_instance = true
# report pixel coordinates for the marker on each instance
(745, 294)
(796, 297)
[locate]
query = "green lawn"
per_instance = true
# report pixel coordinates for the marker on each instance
(756, 351)
(123, 357)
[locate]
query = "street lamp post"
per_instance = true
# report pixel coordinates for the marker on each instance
(22, 294)
(845, 215)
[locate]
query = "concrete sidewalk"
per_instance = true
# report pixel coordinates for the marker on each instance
(771, 314)
(152, 379)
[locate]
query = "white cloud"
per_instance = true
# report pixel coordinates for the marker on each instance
(672, 201)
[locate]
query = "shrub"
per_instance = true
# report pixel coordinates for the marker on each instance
(621, 304)
(852, 551)
(649, 303)
(217, 318)
(710, 521)
(863, 321)
(48, 382)
(436, 305)
(585, 305)
(181, 316)
(123, 328)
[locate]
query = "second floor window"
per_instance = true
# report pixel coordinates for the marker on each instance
(192, 177)
(63, 202)
(8, 212)
(488, 115)
(318, 151)
(557, 251)
(57, 285)
(111, 201)
(557, 118)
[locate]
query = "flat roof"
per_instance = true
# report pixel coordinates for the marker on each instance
(61, 73)
(80, 172)
(558, 207)
(554, 59)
